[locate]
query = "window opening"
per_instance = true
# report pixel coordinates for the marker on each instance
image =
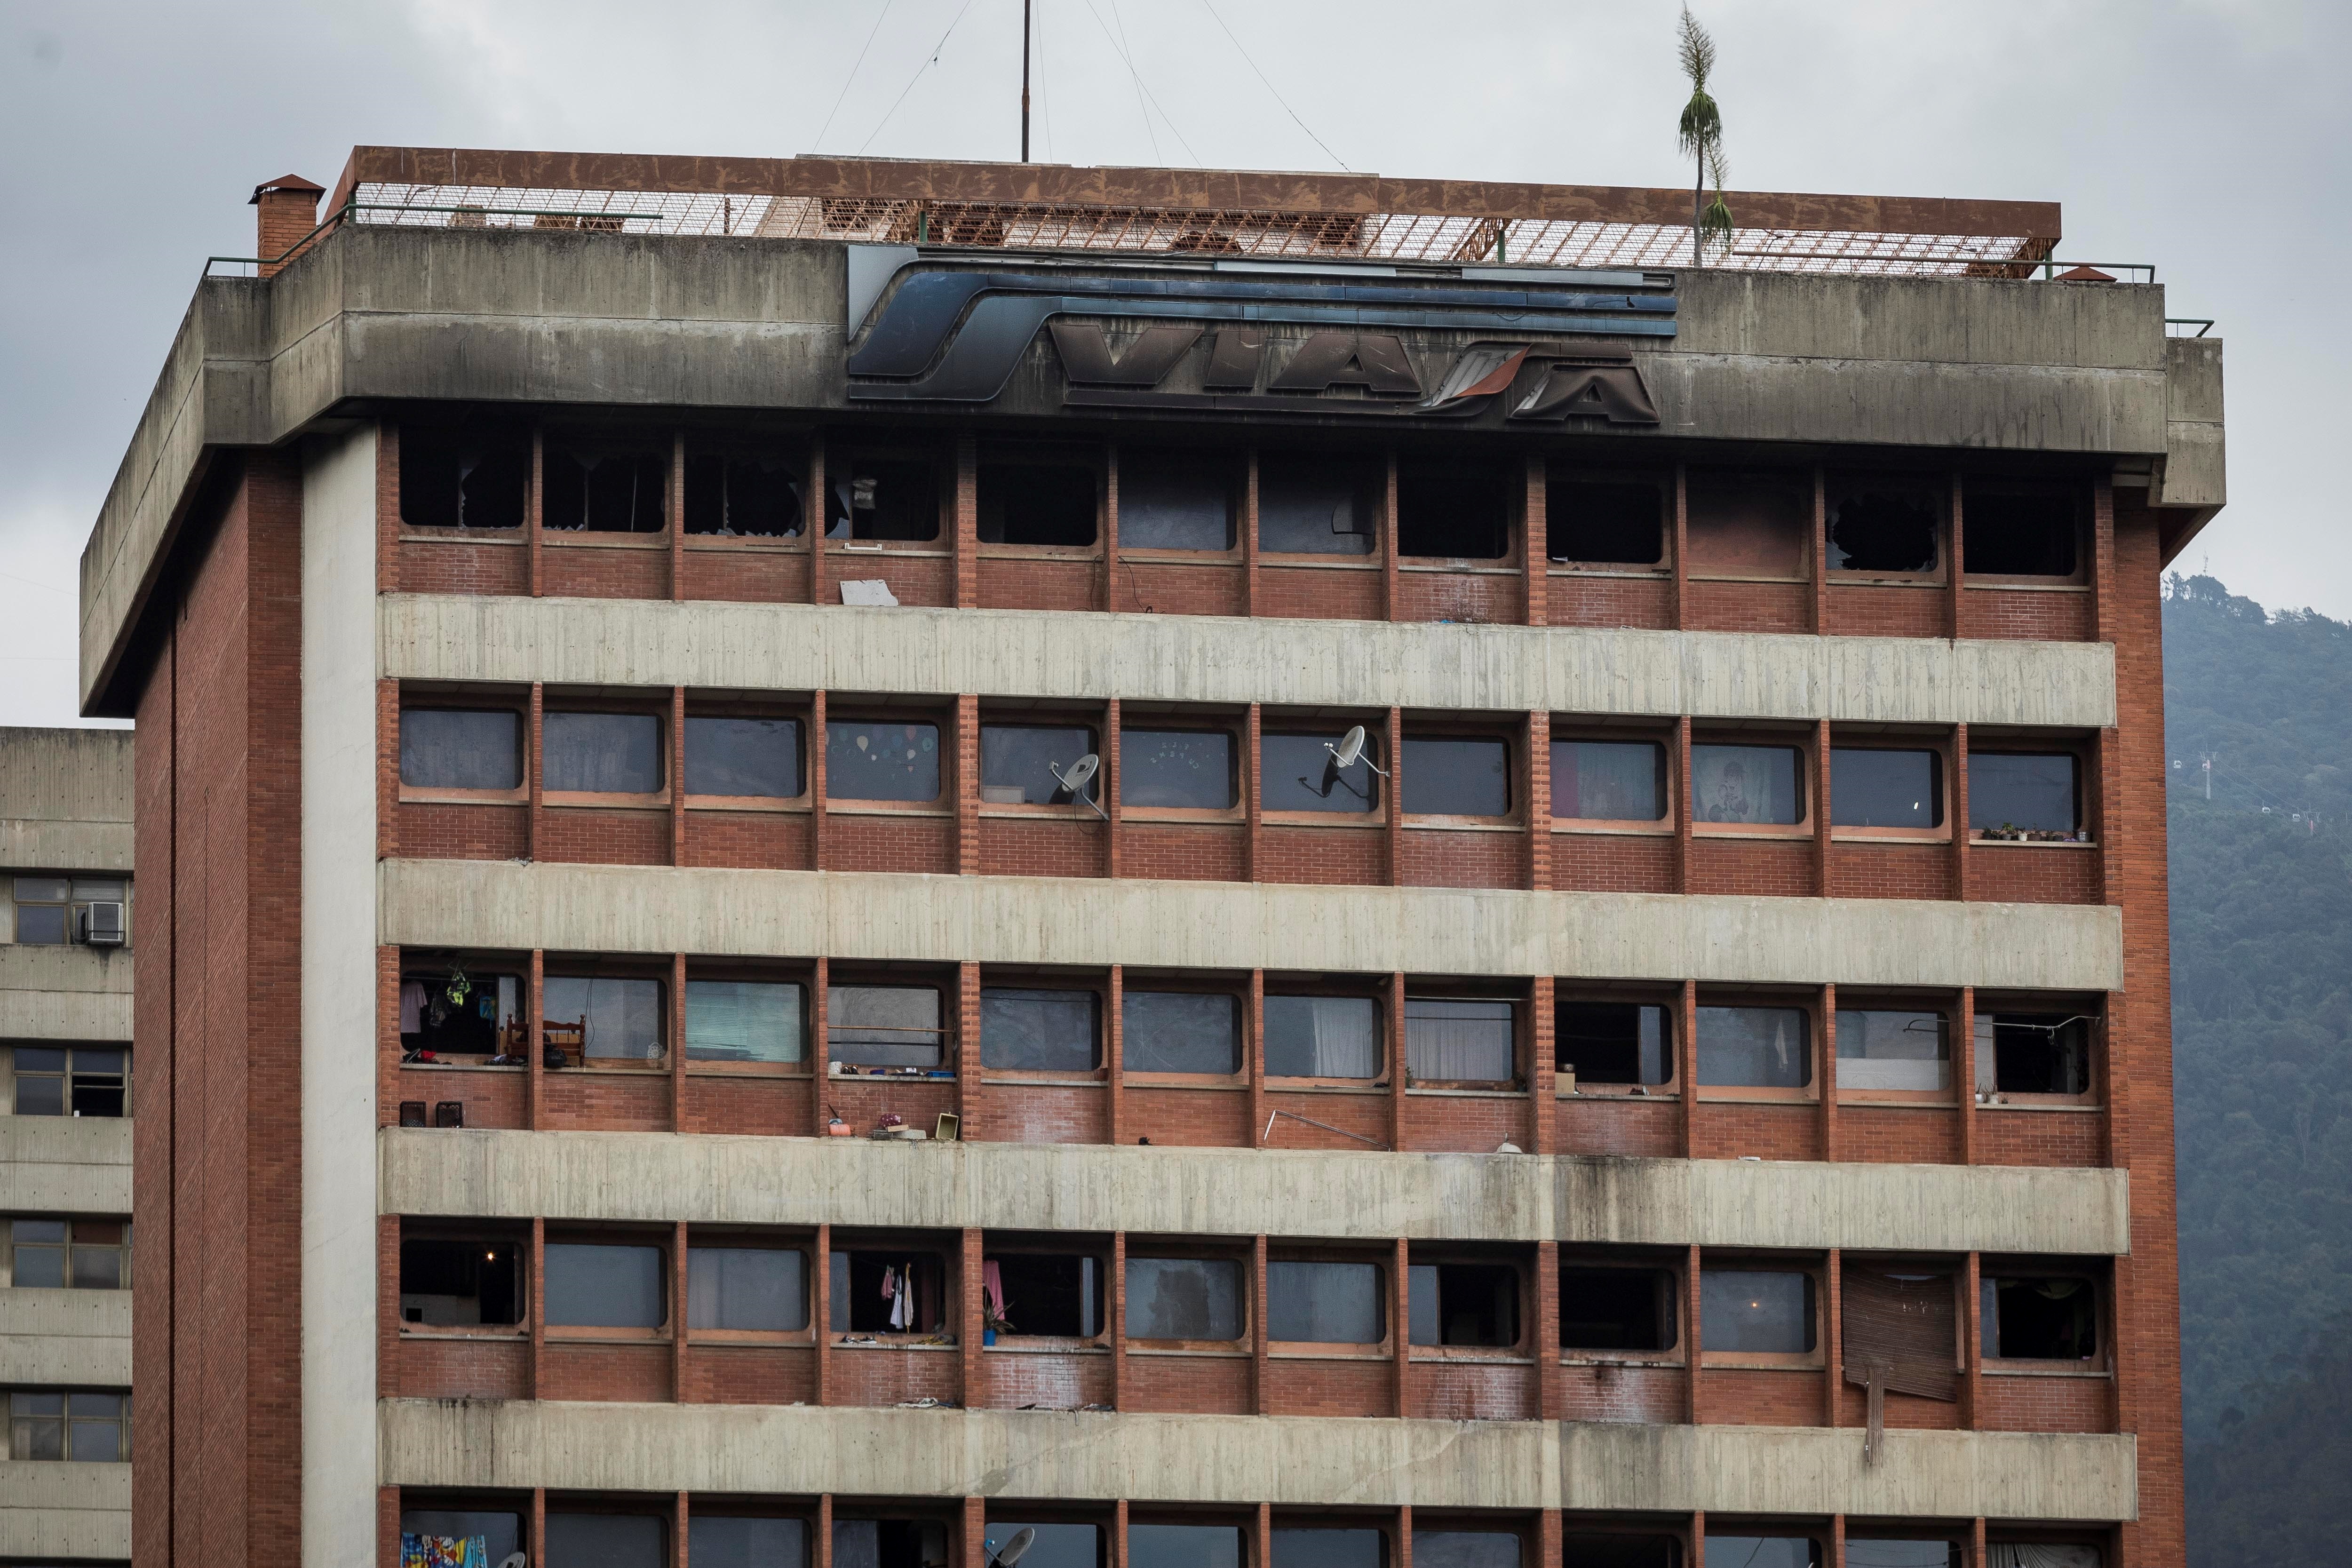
(1613, 1042)
(1466, 1548)
(1763, 1312)
(1452, 509)
(461, 1283)
(754, 758)
(1763, 1551)
(2026, 795)
(461, 748)
(1042, 1294)
(1755, 1048)
(742, 493)
(876, 760)
(1050, 1545)
(889, 1543)
(1463, 1304)
(883, 499)
(1578, 1550)
(893, 1291)
(1300, 772)
(884, 1025)
(1900, 1332)
(1762, 786)
(450, 1010)
(1870, 787)
(54, 910)
(1183, 1298)
(744, 1021)
(1180, 1031)
(1605, 522)
(1322, 1036)
(475, 475)
(596, 486)
(1885, 524)
(603, 1285)
(1747, 524)
(1019, 763)
(2038, 1317)
(1185, 1546)
(1609, 781)
(1175, 501)
(620, 1020)
(747, 1287)
(1178, 768)
(71, 1081)
(2020, 531)
(70, 1254)
(1454, 776)
(1039, 1031)
(1328, 1548)
(1037, 502)
(605, 1541)
(601, 753)
(1892, 1049)
(500, 1534)
(737, 1541)
(1617, 1310)
(1309, 505)
(1461, 1040)
(80, 1427)
(2032, 1053)
(1324, 1304)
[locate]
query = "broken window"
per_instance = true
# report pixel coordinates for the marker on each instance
(889, 1543)
(1609, 781)
(1466, 1548)
(2027, 1317)
(1900, 1333)
(1748, 523)
(1175, 501)
(1755, 1048)
(499, 1532)
(2010, 529)
(461, 748)
(1324, 1304)
(1617, 1310)
(742, 1540)
(1757, 1311)
(1463, 1304)
(1453, 509)
(70, 1080)
(2025, 794)
(1302, 772)
(1018, 763)
(1461, 1040)
(2032, 1053)
(1456, 776)
(743, 758)
(1601, 520)
(461, 1283)
(604, 484)
(751, 1289)
(742, 490)
(1185, 1546)
(743, 1021)
(884, 1025)
(1615, 1042)
(1759, 786)
(1580, 1550)
(1886, 524)
(78, 1427)
(1892, 1048)
(1322, 1036)
(1870, 787)
(1894, 1552)
(603, 1285)
(1037, 498)
(1039, 1294)
(895, 498)
(450, 1010)
(1181, 1031)
(1763, 1551)
(54, 910)
(1050, 1545)
(1184, 1298)
(621, 1018)
(601, 753)
(897, 1290)
(70, 1254)
(1310, 504)
(1039, 1031)
(878, 760)
(605, 1541)
(1328, 1547)
(473, 476)
(1187, 769)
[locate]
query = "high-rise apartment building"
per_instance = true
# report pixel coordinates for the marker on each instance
(65, 1145)
(868, 865)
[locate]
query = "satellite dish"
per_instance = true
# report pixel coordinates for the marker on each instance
(1025, 1537)
(1350, 750)
(1082, 774)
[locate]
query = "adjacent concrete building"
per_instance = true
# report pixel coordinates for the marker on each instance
(840, 859)
(66, 1100)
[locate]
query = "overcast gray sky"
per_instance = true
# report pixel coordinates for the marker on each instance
(2204, 136)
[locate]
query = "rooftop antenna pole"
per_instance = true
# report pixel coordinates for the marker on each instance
(1024, 81)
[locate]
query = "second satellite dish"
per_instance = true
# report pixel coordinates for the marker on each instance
(1025, 1538)
(1350, 750)
(1082, 774)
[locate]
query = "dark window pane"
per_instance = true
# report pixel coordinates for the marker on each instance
(38, 1095)
(2027, 532)
(624, 1016)
(1890, 1048)
(882, 498)
(723, 1540)
(1463, 1304)
(1050, 1546)
(1866, 1551)
(603, 1541)
(889, 1543)
(1455, 509)
(1747, 783)
(484, 1021)
(1617, 1310)
(604, 1285)
(1327, 1549)
(743, 757)
(2036, 793)
(1613, 1042)
(602, 486)
(1036, 503)
(41, 925)
(888, 1292)
(2032, 1053)
(43, 889)
(38, 1267)
(746, 1288)
(2039, 1318)
(1174, 500)
(1609, 781)
(1448, 1040)
(446, 1283)
(874, 759)
(1324, 1304)
(1322, 1036)
(1748, 523)
(1762, 1550)
(1465, 1549)
(1316, 506)
(1177, 768)
(1755, 1048)
(97, 1268)
(1017, 763)
(95, 1436)
(741, 493)
(1301, 772)
(1885, 524)
(455, 748)
(1180, 1031)
(1605, 522)
(602, 753)
(500, 1534)
(1183, 1298)
(1056, 1294)
(1457, 777)
(1184, 1546)
(883, 1026)
(742, 1021)
(1758, 1310)
(1578, 1550)
(469, 477)
(1873, 788)
(1039, 1031)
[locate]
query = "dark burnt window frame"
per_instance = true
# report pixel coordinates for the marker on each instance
(881, 719)
(1304, 734)
(2083, 749)
(893, 518)
(1380, 1260)
(600, 721)
(2038, 1017)
(584, 1039)
(606, 485)
(1287, 475)
(1942, 1006)
(1630, 1543)
(1939, 743)
(1150, 466)
(858, 1315)
(794, 708)
(1878, 523)
(1023, 764)
(1804, 1001)
(1484, 737)
(926, 1049)
(426, 976)
(742, 484)
(1813, 1267)
(2094, 1275)
(1996, 497)
(1719, 792)
(1032, 488)
(1431, 1266)
(1427, 1004)
(1572, 994)
(1461, 496)
(715, 1026)
(1022, 983)
(463, 476)
(1641, 1264)
(1007, 1317)
(1807, 1549)
(1274, 1032)
(1604, 505)
(493, 1256)
(1237, 1262)
(709, 1274)
(429, 696)
(1748, 524)
(1144, 720)
(1189, 983)
(1569, 730)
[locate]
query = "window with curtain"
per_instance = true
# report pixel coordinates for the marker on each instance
(884, 1025)
(1755, 1048)
(461, 748)
(623, 1015)
(1456, 1040)
(743, 1021)
(1180, 1031)
(1324, 1304)
(1322, 1036)
(601, 753)
(1609, 781)
(743, 758)
(746, 1288)
(603, 1285)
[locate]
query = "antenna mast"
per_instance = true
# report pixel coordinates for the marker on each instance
(1024, 81)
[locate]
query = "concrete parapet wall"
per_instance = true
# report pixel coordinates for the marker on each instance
(64, 1337)
(52, 1512)
(66, 1165)
(72, 993)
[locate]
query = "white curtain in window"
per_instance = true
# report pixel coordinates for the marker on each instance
(1345, 1037)
(2030, 1554)
(1468, 1041)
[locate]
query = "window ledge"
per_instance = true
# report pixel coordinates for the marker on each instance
(2045, 1369)
(854, 807)
(1659, 1094)
(1733, 1361)
(513, 536)
(1317, 1086)
(570, 1336)
(1456, 566)
(1133, 1348)
(795, 805)
(1184, 815)
(1009, 1344)
(1077, 554)
(569, 801)
(880, 1344)
(1434, 824)
(1412, 1093)
(749, 1338)
(1594, 1359)
(1741, 832)
(409, 796)
(499, 1333)
(1611, 829)
(748, 1070)
(907, 550)
(1911, 835)
(1868, 1100)
(1433, 1355)
(1791, 1100)
(2027, 585)
(1215, 1083)
(1231, 559)
(1004, 1082)
(602, 538)
(1039, 811)
(760, 543)
(1978, 842)
(1641, 575)
(1358, 821)
(2065, 1107)
(889, 1074)
(1744, 577)
(464, 1067)
(1333, 562)
(1371, 1356)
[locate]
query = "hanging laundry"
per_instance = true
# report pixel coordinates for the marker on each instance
(412, 1006)
(991, 1285)
(444, 1552)
(889, 1283)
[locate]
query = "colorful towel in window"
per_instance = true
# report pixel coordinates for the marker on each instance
(445, 1552)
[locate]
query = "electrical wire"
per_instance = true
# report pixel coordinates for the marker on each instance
(840, 96)
(1117, 16)
(1045, 104)
(932, 59)
(1141, 86)
(1276, 91)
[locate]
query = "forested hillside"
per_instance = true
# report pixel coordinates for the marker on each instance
(2262, 948)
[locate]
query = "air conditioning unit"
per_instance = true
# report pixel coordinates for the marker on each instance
(100, 924)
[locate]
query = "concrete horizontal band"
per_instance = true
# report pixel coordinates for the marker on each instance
(1048, 1455)
(66, 1165)
(52, 1512)
(65, 1338)
(1306, 1194)
(1226, 659)
(872, 915)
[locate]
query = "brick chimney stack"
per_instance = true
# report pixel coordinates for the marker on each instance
(288, 209)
